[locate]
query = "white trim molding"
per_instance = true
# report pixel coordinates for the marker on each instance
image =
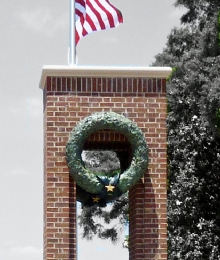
(103, 72)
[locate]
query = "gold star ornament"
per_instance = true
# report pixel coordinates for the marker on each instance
(110, 188)
(95, 199)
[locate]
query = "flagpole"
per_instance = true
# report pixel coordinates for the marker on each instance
(72, 44)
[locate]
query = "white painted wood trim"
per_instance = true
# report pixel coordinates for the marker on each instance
(103, 72)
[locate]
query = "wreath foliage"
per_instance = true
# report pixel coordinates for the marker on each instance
(91, 182)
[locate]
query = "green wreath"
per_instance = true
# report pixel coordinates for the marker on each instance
(105, 187)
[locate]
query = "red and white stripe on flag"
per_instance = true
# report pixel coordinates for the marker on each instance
(95, 15)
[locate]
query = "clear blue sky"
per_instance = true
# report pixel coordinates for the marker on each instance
(34, 34)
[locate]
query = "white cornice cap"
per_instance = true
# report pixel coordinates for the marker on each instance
(103, 72)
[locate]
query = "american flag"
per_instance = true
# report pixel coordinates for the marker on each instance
(95, 15)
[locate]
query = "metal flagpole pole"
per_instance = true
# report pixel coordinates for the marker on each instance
(72, 44)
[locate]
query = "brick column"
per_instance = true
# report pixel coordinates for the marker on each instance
(72, 93)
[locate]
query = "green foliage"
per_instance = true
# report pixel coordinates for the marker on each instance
(103, 162)
(95, 220)
(198, 11)
(171, 74)
(126, 242)
(98, 221)
(193, 215)
(219, 28)
(218, 118)
(92, 183)
(193, 134)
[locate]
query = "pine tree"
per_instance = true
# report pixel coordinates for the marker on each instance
(97, 221)
(104, 162)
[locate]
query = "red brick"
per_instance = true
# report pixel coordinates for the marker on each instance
(144, 102)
